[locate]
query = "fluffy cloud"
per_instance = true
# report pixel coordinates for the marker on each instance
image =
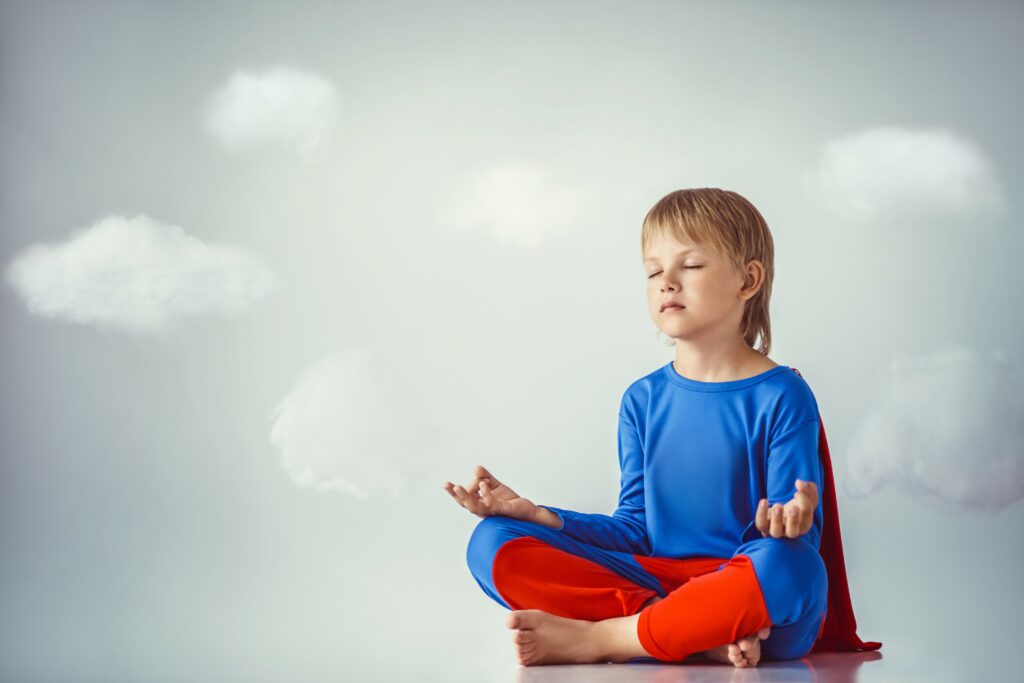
(352, 425)
(136, 275)
(279, 107)
(949, 426)
(905, 173)
(516, 204)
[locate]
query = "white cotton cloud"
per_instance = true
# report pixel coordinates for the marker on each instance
(136, 275)
(948, 426)
(351, 424)
(905, 173)
(279, 107)
(515, 204)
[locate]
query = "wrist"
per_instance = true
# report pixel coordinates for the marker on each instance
(546, 517)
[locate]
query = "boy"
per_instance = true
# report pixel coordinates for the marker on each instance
(717, 541)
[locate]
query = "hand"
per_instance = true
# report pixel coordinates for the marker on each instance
(792, 519)
(485, 496)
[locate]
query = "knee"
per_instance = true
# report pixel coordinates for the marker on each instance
(488, 536)
(797, 563)
(792, 577)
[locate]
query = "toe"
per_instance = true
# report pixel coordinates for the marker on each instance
(524, 637)
(522, 619)
(529, 656)
(529, 618)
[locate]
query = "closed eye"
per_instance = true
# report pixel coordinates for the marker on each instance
(684, 268)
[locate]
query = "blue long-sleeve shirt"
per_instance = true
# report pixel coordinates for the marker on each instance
(695, 459)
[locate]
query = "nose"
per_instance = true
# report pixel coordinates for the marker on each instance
(668, 282)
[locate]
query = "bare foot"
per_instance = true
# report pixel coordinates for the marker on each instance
(543, 638)
(743, 653)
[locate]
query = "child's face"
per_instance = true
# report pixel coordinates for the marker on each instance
(707, 285)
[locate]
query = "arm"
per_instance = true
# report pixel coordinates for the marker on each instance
(625, 530)
(794, 455)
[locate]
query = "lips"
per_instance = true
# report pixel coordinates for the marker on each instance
(672, 307)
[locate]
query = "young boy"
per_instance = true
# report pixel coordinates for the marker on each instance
(718, 545)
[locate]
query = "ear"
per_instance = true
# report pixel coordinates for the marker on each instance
(753, 279)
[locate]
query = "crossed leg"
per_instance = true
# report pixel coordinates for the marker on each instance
(744, 652)
(573, 602)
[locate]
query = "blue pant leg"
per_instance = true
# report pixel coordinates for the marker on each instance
(795, 586)
(494, 531)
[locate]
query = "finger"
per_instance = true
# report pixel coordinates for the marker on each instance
(473, 488)
(469, 503)
(782, 521)
(800, 522)
(761, 517)
(809, 490)
(483, 473)
(794, 518)
(450, 488)
(804, 501)
(485, 495)
(807, 522)
(460, 495)
(777, 526)
(803, 516)
(471, 492)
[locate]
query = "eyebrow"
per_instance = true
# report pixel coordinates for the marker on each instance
(684, 251)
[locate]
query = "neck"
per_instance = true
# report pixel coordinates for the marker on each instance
(720, 362)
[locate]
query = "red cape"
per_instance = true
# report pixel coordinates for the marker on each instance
(839, 633)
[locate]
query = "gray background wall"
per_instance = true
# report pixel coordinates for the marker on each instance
(381, 243)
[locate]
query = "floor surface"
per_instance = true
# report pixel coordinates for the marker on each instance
(839, 667)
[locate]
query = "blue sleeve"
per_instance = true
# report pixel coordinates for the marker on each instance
(626, 529)
(794, 455)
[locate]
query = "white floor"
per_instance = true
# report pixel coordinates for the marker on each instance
(863, 667)
(822, 667)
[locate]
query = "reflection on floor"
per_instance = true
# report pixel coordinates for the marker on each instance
(845, 667)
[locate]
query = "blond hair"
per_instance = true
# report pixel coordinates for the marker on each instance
(727, 223)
